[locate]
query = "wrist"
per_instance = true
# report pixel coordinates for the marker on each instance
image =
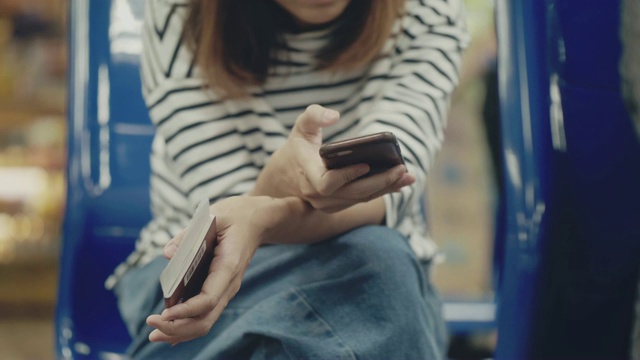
(269, 180)
(280, 217)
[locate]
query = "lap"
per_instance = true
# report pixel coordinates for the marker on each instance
(362, 293)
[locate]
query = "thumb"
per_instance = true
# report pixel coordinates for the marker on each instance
(172, 246)
(310, 123)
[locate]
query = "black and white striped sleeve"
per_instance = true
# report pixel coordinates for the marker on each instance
(414, 104)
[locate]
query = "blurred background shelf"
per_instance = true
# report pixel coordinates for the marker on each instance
(32, 163)
(18, 113)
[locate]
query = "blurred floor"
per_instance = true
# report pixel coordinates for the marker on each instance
(27, 300)
(26, 339)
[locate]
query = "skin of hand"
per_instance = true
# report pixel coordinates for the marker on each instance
(297, 169)
(243, 223)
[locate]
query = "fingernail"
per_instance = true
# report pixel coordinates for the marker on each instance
(408, 180)
(330, 115)
(363, 170)
(171, 250)
(166, 316)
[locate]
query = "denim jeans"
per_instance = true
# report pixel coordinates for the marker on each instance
(363, 295)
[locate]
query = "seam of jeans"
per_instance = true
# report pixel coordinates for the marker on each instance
(433, 305)
(340, 340)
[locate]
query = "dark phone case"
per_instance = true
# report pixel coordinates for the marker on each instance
(380, 151)
(192, 282)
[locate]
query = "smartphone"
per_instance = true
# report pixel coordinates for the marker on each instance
(380, 151)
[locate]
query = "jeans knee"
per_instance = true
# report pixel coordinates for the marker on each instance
(386, 285)
(385, 256)
(378, 244)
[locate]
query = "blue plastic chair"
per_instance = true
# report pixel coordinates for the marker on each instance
(109, 141)
(572, 180)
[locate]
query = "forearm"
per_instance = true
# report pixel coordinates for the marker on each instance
(292, 221)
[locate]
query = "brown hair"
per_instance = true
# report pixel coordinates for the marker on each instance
(233, 41)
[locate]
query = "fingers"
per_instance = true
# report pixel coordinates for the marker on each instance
(313, 119)
(172, 246)
(328, 182)
(387, 181)
(221, 275)
(405, 180)
(180, 330)
(196, 316)
(365, 190)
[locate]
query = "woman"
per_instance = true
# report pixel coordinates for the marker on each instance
(232, 87)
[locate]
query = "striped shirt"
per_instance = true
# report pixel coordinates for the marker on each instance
(213, 148)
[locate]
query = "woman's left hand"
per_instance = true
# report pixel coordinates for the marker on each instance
(296, 169)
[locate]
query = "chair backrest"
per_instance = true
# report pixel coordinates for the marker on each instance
(573, 183)
(109, 141)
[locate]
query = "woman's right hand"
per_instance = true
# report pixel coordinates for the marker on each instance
(243, 223)
(296, 169)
